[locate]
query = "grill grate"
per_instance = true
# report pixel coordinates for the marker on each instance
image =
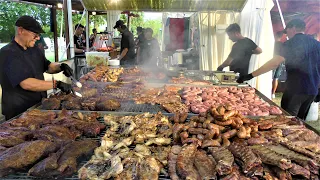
(132, 107)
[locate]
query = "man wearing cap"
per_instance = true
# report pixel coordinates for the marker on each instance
(22, 67)
(127, 56)
(301, 54)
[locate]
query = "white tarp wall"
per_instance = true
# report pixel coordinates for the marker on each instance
(112, 18)
(255, 23)
(214, 47)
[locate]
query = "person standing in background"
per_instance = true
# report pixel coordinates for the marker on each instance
(149, 49)
(92, 37)
(127, 56)
(79, 47)
(242, 50)
(301, 54)
(277, 73)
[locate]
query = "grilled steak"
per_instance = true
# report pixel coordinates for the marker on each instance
(23, 155)
(64, 162)
(108, 105)
(185, 159)
(54, 133)
(11, 136)
(51, 103)
(205, 165)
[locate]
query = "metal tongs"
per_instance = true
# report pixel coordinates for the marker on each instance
(78, 84)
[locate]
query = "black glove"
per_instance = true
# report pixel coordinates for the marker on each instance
(64, 87)
(67, 71)
(243, 78)
(220, 68)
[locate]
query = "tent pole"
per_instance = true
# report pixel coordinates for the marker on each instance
(281, 15)
(66, 25)
(70, 27)
(87, 29)
(55, 33)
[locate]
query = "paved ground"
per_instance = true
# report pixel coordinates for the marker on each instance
(314, 124)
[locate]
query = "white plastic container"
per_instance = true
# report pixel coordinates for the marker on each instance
(114, 62)
(313, 112)
(97, 58)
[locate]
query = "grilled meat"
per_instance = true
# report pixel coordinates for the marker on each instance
(272, 158)
(11, 136)
(282, 174)
(108, 105)
(64, 162)
(130, 169)
(101, 169)
(158, 141)
(177, 129)
(24, 155)
(298, 149)
(54, 133)
(160, 153)
(313, 146)
(172, 162)
(89, 92)
(224, 158)
(246, 158)
(51, 103)
(185, 160)
(300, 159)
(298, 170)
(143, 150)
(149, 168)
(89, 104)
(73, 104)
(205, 165)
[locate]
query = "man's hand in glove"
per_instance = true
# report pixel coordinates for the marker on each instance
(67, 71)
(220, 68)
(243, 78)
(64, 87)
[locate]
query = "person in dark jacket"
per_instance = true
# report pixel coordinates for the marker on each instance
(22, 67)
(301, 54)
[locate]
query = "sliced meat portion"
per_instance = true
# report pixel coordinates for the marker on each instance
(172, 162)
(205, 165)
(185, 159)
(54, 133)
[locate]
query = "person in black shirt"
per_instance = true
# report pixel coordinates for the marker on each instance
(22, 67)
(141, 38)
(149, 49)
(127, 56)
(277, 73)
(239, 58)
(301, 54)
(79, 47)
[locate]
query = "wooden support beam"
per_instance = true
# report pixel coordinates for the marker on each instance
(55, 33)
(66, 27)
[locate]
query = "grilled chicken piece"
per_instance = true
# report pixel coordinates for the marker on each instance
(149, 168)
(172, 162)
(224, 158)
(111, 121)
(127, 125)
(205, 165)
(246, 158)
(158, 141)
(143, 150)
(124, 143)
(185, 160)
(272, 158)
(161, 154)
(130, 169)
(101, 169)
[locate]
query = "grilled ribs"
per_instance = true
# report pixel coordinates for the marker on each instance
(64, 162)
(272, 158)
(172, 161)
(185, 159)
(23, 155)
(224, 158)
(245, 157)
(55, 133)
(11, 136)
(205, 165)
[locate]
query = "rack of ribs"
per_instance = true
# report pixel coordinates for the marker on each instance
(185, 159)
(224, 158)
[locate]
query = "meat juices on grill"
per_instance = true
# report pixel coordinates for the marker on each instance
(23, 155)
(224, 158)
(205, 165)
(185, 159)
(247, 159)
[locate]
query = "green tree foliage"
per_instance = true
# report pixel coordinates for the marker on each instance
(11, 11)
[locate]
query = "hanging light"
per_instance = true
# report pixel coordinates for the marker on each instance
(94, 13)
(59, 5)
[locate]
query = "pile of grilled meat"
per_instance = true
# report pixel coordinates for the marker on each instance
(44, 142)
